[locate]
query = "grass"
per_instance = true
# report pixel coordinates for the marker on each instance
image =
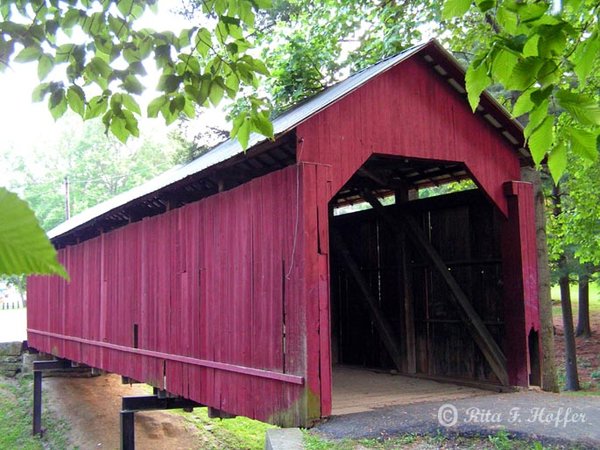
(239, 433)
(594, 298)
(16, 419)
(500, 440)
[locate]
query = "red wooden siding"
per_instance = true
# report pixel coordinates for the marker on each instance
(405, 112)
(520, 280)
(206, 285)
(230, 294)
(408, 111)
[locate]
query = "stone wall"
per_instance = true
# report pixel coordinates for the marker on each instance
(10, 358)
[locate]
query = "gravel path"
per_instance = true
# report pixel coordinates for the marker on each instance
(549, 418)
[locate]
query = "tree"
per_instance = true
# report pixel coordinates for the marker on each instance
(98, 73)
(572, 378)
(546, 54)
(95, 167)
(578, 229)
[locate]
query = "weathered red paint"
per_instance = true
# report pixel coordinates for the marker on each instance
(520, 279)
(204, 283)
(408, 111)
(230, 294)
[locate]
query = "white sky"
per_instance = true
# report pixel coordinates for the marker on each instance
(25, 125)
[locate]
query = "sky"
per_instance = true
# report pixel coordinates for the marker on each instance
(26, 125)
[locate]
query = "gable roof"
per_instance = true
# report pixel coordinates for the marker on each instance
(433, 53)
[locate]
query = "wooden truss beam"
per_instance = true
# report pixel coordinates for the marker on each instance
(482, 336)
(383, 326)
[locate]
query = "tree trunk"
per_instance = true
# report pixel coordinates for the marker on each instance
(549, 379)
(583, 320)
(572, 379)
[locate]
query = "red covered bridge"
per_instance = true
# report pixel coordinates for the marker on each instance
(236, 281)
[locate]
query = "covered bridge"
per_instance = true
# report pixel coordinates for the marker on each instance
(240, 279)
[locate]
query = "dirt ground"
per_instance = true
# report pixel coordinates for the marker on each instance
(588, 351)
(91, 406)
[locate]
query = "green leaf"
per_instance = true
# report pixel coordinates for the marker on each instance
(203, 41)
(76, 99)
(537, 116)
(476, 82)
(503, 65)
(57, 103)
(552, 43)
(131, 123)
(523, 74)
(215, 94)
(485, 5)
(557, 161)
(582, 107)
(125, 7)
(130, 103)
(24, 247)
(262, 124)
(63, 53)
(531, 46)
(96, 107)
(541, 139)
(583, 143)
(455, 8)
(100, 67)
(156, 105)
(585, 56)
(246, 13)
(169, 83)
(507, 19)
(28, 54)
(70, 18)
(118, 127)
(549, 73)
(45, 66)
(523, 105)
(189, 109)
(241, 129)
(529, 12)
(243, 133)
(40, 92)
(133, 85)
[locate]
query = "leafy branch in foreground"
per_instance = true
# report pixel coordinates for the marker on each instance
(24, 248)
(549, 59)
(91, 59)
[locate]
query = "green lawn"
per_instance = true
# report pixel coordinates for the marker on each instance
(239, 433)
(594, 298)
(15, 418)
(498, 441)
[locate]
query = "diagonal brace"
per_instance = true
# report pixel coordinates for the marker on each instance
(483, 338)
(383, 326)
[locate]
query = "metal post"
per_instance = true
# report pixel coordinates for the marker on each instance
(67, 198)
(127, 430)
(37, 402)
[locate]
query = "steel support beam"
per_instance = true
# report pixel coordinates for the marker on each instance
(152, 402)
(38, 368)
(37, 402)
(129, 406)
(56, 364)
(127, 430)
